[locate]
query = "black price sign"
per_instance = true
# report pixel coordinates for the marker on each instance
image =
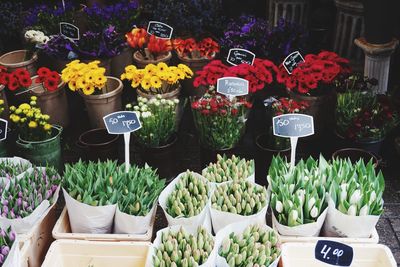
(334, 253)
(122, 122)
(293, 125)
(292, 60)
(160, 29)
(232, 86)
(238, 56)
(69, 31)
(3, 129)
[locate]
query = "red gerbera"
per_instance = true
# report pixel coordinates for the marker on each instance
(50, 84)
(43, 72)
(25, 81)
(12, 83)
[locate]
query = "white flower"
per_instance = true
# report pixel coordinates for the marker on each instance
(128, 106)
(352, 211)
(146, 114)
(176, 100)
(136, 108)
(311, 203)
(372, 197)
(143, 109)
(364, 210)
(306, 178)
(314, 212)
(291, 188)
(343, 195)
(157, 103)
(163, 101)
(158, 96)
(301, 194)
(344, 187)
(355, 197)
(293, 215)
(279, 206)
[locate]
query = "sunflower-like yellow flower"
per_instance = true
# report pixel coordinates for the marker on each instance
(155, 82)
(32, 124)
(146, 84)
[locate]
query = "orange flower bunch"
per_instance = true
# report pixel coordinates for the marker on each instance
(189, 48)
(148, 45)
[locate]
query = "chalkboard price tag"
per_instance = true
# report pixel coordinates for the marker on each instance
(3, 129)
(292, 60)
(238, 56)
(232, 86)
(334, 253)
(69, 31)
(159, 29)
(293, 125)
(122, 122)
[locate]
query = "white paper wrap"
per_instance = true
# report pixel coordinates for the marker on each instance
(305, 230)
(17, 160)
(343, 225)
(149, 261)
(130, 224)
(89, 219)
(14, 256)
(237, 228)
(191, 223)
(220, 219)
(24, 225)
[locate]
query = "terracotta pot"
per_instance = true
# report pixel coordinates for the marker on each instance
(141, 62)
(3, 97)
(322, 108)
(187, 84)
(119, 62)
(54, 103)
(98, 144)
(17, 59)
(103, 104)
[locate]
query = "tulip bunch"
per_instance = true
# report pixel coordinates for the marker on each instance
(18, 79)
(230, 169)
(158, 119)
(10, 169)
(256, 246)
(24, 195)
(138, 190)
(85, 77)
(31, 123)
(356, 189)
(297, 194)
(189, 48)
(241, 197)
(189, 196)
(149, 46)
(6, 242)
(219, 121)
(92, 183)
(156, 79)
(183, 249)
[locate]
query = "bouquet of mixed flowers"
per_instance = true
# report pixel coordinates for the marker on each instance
(156, 79)
(315, 75)
(122, 15)
(158, 119)
(259, 75)
(207, 48)
(22, 196)
(148, 46)
(88, 78)
(220, 122)
(31, 123)
(281, 106)
(364, 116)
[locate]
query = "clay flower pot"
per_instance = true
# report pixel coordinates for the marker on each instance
(17, 59)
(141, 61)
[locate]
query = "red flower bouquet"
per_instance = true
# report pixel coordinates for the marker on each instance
(149, 46)
(260, 74)
(189, 48)
(220, 122)
(314, 73)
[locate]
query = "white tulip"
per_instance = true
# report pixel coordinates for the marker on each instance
(279, 206)
(355, 197)
(294, 215)
(372, 197)
(352, 211)
(311, 203)
(364, 210)
(344, 187)
(314, 212)
(291, 188)
(343, 195)
(301, 194)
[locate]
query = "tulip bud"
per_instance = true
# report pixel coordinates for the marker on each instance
(311, 203)
(352, 211)
(279, 206)
(364, 211)
(314, 212)
(355, 197)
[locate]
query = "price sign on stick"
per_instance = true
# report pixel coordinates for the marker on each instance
(232, 86)
(334, 253)
(293, 126)
(159, 29)
(69, 31)
(238, 56)
(3, 129)
(123, 122)
(292, 60)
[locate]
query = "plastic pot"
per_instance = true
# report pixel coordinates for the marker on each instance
(98, 144)
(17, 59)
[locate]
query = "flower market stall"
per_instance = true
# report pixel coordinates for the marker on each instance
(191, 133)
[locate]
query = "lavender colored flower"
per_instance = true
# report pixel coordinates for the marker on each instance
(5, 250)
(6, 242)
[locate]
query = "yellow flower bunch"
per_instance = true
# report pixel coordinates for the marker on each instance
(84, 77)
(156, 78)
(31, 123)
(1, 106)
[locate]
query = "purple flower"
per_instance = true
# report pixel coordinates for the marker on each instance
(2, 258)
(5, 202)
(12, 235)
(2, 233)
(5, 209)
(5, 250)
